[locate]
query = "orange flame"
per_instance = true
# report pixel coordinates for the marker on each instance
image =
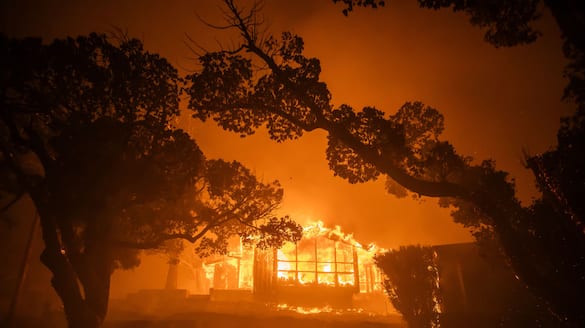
(327, 256)
(324, 256)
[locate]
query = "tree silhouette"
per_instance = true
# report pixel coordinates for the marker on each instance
(226, 200)
(288, 98)
(559, 214)
(349, 4)
(111, 175)
(55, 98)
(411, 282)
(558, 217)
(507, 23)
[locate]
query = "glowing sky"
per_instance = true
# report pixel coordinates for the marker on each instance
(496, 102)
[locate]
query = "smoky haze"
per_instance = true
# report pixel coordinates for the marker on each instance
(496, 102)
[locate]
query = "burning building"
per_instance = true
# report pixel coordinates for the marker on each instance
(327, 271)
(325, 268)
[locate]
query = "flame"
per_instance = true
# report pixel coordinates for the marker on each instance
(327, 256)
(304, 310)
(324, 256)
(317, 310)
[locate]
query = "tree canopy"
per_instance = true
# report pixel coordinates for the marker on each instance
(55, 99)
(111, 174)
(288, 99)
(507, 23)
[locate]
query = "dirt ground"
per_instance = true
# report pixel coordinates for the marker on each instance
(226, 320)
(221, 320)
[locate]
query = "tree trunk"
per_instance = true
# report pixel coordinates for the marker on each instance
(94, 273)
(85, 299)
(66, 284)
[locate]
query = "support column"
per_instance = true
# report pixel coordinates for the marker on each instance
(356, 270)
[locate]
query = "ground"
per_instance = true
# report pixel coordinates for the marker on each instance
(220, 320)
(227, 320)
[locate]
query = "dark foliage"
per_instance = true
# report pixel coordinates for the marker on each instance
(85, 130)
(411, 282)
(349, 4)
(289, 99)
(80, 108)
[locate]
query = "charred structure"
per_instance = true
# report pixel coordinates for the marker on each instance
(325, 268)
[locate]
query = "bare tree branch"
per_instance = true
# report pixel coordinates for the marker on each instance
(246, 26)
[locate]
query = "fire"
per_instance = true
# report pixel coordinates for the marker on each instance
(305, 310)
(323, 257)
(326, 256)
(317, 310)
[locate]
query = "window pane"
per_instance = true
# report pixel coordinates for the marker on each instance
(346, 279)
(307, 266)
(287, 278)
(326, 267)
(326, 278)
(306, 277)
(286, 265)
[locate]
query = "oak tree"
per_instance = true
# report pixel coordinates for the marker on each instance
(287, 97)
(112, 175)
(76, 106)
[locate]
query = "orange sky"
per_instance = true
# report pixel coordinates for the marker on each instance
(495, 101)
